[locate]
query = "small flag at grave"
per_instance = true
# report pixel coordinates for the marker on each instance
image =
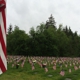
(54, 67)
(46, 69)
(75, 67)
(69, 70)
(33, 67)
(62, 73)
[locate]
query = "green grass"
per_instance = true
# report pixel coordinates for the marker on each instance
(26, 73)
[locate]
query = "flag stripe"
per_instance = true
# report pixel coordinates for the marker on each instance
(2, 42)
(0, 71)
(3, 28)
(2, 66)
(3, 57)
(4, 19)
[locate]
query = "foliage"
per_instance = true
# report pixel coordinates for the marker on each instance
(44, 41)
(17, 42)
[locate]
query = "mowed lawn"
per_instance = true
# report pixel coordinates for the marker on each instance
(26, 73)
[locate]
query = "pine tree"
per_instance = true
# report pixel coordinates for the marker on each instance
(51, 22)
(10, 29)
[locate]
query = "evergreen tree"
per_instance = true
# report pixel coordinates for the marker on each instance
(10, 29)
(51, 22)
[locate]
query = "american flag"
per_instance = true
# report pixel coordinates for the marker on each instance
(46, 69)
(54, 67)
(33, 67)
(75, 67)
(3, 57)
(62, 73)
(69, 70)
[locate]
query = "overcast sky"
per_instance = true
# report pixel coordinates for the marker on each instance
(30, 13)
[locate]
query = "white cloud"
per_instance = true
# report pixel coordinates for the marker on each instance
(28, 13)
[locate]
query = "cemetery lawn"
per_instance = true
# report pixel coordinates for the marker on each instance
(26, 73)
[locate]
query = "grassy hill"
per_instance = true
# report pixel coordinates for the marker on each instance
(26, 73)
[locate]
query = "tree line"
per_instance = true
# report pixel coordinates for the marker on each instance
(45, 40)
